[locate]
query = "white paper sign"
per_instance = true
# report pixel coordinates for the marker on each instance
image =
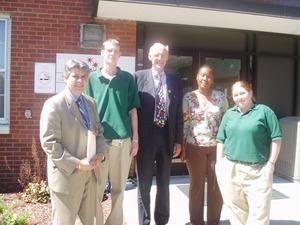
(91, 146)
(44, 78)
(95, 62)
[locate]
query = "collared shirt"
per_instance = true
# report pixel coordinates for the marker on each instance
(163, 79)
(115, 98)
(247, 137)
(84, 108)
(108, 76)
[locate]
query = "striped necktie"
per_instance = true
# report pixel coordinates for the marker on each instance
(79, 104)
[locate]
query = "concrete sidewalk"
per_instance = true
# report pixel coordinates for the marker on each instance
(284, 209)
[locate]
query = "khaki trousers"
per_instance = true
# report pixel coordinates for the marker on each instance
(246, 191)
(79, 209)
(116, 169)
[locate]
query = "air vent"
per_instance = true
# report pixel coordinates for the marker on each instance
(91, 35)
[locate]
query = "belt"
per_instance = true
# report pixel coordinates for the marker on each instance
(246, 163)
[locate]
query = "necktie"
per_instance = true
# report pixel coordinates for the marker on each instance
(79, 104)
(160, 110)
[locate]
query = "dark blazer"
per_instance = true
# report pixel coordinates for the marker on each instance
(146, 90)
(63, 137)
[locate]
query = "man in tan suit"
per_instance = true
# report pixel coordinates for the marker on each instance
(64, 128)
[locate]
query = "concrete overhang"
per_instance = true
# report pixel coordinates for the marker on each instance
(159, 13)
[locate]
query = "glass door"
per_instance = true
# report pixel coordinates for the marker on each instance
(228, 69)
(183, 64)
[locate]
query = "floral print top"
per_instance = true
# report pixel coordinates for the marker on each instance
(201, 123)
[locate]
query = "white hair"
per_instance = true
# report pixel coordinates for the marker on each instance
(156, 46)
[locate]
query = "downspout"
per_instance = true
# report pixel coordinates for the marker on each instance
(93, 9)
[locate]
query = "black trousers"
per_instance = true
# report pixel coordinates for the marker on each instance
(154, 150)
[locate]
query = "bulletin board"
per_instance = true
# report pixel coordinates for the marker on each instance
(95, 62)
(49, 76)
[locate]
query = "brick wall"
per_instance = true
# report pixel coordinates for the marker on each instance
(40, 29)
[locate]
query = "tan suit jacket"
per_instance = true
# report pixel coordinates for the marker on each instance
(63, 136)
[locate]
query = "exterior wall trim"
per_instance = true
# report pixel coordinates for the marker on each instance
(197, 17)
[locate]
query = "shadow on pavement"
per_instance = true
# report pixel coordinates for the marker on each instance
(284, 222)
(272, 222)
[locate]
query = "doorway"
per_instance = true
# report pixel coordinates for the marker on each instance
(227, 70)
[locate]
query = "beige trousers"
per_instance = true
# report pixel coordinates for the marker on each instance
(246, 191)
(116, 169)
(79, 209)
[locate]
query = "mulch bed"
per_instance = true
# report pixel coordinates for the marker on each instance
(40, 214)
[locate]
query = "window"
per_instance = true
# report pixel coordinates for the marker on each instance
(228, 68)
(5, 35)
(226, 72)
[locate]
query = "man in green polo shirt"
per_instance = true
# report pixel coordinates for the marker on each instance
(117, 98)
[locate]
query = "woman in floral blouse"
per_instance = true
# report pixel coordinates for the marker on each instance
(202, 113)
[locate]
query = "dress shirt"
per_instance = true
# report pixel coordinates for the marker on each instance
(83, 107)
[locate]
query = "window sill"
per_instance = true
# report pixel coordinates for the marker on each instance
(4, 129)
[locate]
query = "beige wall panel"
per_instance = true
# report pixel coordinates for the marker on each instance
(278, 44)
(274, 84)
(191, 37)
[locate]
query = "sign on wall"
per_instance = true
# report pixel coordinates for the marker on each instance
(49, 76)
(44, 79)
(94, 61)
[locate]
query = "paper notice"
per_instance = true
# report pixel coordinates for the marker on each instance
(91, 146)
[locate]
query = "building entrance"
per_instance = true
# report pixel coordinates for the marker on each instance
(227, 70)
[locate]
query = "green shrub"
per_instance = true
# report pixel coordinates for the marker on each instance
(9, 217)
(35, 188)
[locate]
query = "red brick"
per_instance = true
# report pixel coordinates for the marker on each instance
(40, 30)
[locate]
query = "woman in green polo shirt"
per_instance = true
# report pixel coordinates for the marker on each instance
(249, 141)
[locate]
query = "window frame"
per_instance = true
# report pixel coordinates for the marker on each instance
(5, 120)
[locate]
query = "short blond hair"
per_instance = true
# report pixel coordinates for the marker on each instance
(112, 41)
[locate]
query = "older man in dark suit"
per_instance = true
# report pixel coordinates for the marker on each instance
(68, 120)
(160, 133)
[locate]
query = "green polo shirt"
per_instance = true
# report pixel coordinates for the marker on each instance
(115, 98)
(247, 137)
